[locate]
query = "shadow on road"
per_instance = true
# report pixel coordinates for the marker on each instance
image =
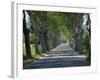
(61, 56)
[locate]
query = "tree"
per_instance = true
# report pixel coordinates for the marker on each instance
(34, 30)
(39, 28)
(26, 34)
(75, 22)
(89, 37)
(43, 38)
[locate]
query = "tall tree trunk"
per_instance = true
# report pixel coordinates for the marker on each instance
(26, 34)
(35, 31)
(44, 43)
(77, 40)
(89, 30)
(77, 32)
(36, 46)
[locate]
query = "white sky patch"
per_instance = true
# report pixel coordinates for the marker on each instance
(84, 26)
(27, 17)
(85, 19)
(27, 20)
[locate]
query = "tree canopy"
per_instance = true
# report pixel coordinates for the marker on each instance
(48, 29)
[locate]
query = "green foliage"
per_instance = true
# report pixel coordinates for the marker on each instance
(33, 51)
(86, 43)
(31, 38)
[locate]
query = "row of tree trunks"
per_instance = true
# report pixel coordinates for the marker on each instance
(75, 21)
(39, 29)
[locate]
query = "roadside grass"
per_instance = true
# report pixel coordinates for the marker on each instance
(33, 54)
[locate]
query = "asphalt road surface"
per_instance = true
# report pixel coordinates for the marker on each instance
(61, 56)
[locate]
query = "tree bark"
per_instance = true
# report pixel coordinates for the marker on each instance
(44, 43)
(26, 34)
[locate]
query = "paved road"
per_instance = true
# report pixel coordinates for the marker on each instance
(61, 56)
